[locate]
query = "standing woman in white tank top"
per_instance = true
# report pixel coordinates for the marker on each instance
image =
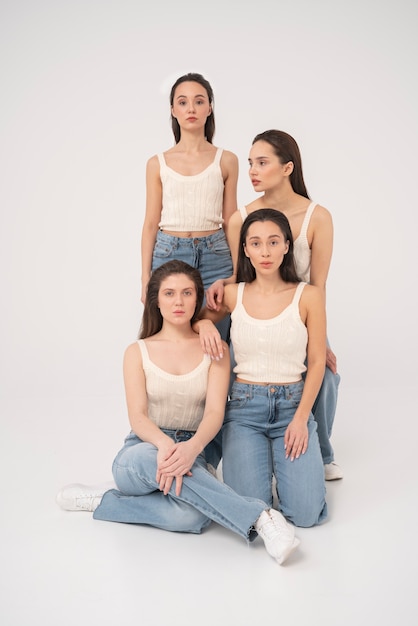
(276, 171)
(190, 191)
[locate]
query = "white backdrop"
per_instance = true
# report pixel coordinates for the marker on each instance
(84, 104)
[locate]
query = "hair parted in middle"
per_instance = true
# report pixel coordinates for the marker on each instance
(152, 320)
(246, 272)
(193, 77)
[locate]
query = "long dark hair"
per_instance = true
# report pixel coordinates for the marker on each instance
(152, 320)
(192, 77)
(246, 272)
(286, 149)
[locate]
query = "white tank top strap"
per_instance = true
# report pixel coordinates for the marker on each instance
(144, 351)
(240, 293)
(306, 220)
(161, 161)
(298, 293)
(218, 156)
(243, 212)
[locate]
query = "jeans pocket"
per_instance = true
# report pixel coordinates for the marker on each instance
(221, 248)
(294, 394)
(236, 402)
(162, 250)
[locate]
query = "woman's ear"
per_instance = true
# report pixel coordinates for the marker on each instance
(288, 168)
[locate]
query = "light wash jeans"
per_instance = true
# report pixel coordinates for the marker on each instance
(253, 451)
(323, 410)
(203, 498)
(210, 255)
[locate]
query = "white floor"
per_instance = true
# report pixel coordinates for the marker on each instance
(60, 568)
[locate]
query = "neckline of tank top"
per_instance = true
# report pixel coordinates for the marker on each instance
(214, 162)
(292, 304)
(312, 204)
(169, 374)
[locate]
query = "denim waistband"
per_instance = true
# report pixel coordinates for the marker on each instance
(176, 434)
(220, 234)
(268, 389)
(179, 435)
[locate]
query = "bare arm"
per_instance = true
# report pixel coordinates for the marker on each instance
(210, 338)
(312, 310)
(321, 246)
(215, 293)
(313, 304)
(321, 253)
(217, 391)
(152, 219)
(229, 166)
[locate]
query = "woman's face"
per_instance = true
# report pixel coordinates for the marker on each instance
(265, 246)
(191, 106)
(266, 171)
(177, 299)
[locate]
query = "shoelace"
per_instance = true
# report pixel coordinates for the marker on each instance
(270, 529)
(86, 503)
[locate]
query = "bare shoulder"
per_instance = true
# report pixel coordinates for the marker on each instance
(229, 157)
(132, 353)
(321, 215)
(312, 294)
(253, 206)
(230, 296)
(224, 363)
(229, 160)
(153, 164)
(235, 219)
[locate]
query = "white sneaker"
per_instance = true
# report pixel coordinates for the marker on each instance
(77, 497)
(333, 471)
(278, 535)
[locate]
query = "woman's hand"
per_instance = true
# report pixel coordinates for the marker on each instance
(214, 295)
(175, 465)
(296, 439)
(144, 291)
(210, 339)
(331, 361)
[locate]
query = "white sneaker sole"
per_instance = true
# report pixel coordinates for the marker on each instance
(285, 555)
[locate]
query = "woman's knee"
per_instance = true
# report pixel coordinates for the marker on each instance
(189, 520)
(307, 516)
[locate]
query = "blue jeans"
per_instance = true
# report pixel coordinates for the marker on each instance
(323, 410)
(210, 255)
(253, 452)
(203, 498)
